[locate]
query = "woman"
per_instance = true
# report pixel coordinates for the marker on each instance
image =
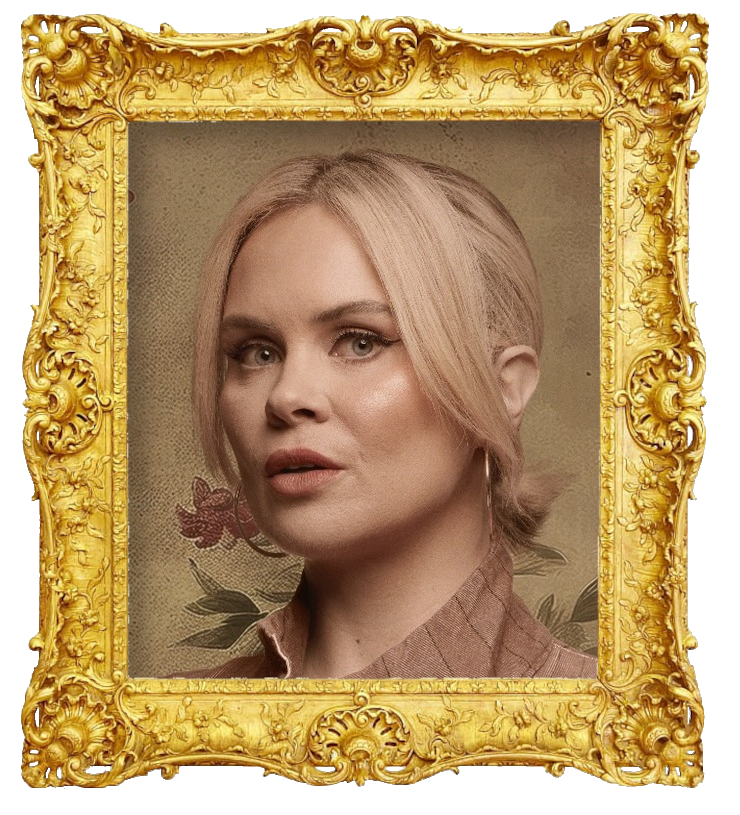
(367, 343)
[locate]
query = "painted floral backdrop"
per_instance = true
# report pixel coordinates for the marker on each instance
(222, 615)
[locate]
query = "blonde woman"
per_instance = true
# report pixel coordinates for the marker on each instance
(368, 341)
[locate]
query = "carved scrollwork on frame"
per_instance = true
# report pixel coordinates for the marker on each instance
(654, 66)
(85, 79)
(664, 401)
(658, 732)
(66, 408)
(361, 742)
(70, 728)
(364, 59)
(70, 67)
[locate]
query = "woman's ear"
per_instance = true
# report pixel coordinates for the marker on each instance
(518, 371)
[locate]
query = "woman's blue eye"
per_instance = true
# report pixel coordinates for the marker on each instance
(362, 346)
(260, 355)
(352, 345)
(356, 345)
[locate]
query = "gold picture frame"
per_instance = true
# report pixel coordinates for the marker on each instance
(86, 722)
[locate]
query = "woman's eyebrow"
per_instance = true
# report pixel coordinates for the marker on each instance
(242, 322)
(353, 307)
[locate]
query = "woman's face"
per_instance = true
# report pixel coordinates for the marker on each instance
(317, 377)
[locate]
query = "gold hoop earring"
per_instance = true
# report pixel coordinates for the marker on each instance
(250, 543)
(489, 495)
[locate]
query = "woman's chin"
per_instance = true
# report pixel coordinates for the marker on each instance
(321, 541)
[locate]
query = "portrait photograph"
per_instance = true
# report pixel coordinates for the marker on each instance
(189, 526)
(370, 409)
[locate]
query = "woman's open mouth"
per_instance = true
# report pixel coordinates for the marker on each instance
(299, 471)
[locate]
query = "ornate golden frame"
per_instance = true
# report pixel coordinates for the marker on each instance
(85, 721)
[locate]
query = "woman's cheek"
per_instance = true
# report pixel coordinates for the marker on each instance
(239, 417)
(396, 396)
(227, 408)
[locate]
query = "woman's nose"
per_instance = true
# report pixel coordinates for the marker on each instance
(299, 394)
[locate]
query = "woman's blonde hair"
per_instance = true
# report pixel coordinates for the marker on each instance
(460, 280)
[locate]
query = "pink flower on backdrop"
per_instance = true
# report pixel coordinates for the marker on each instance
(213, 517)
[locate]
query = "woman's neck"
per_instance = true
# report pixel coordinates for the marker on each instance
(361, 609)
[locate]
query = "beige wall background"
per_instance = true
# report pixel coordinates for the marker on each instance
(183, 179)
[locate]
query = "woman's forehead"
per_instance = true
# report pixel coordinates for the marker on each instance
(303, 258)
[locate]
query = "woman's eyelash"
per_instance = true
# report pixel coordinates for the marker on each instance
(360, 334)
(238, 350)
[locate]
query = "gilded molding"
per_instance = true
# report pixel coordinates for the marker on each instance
(84, 79)
(360, 742)
(664, 401)
(67, 404)
(365, 59)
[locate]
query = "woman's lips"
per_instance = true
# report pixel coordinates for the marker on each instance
(284, 479)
